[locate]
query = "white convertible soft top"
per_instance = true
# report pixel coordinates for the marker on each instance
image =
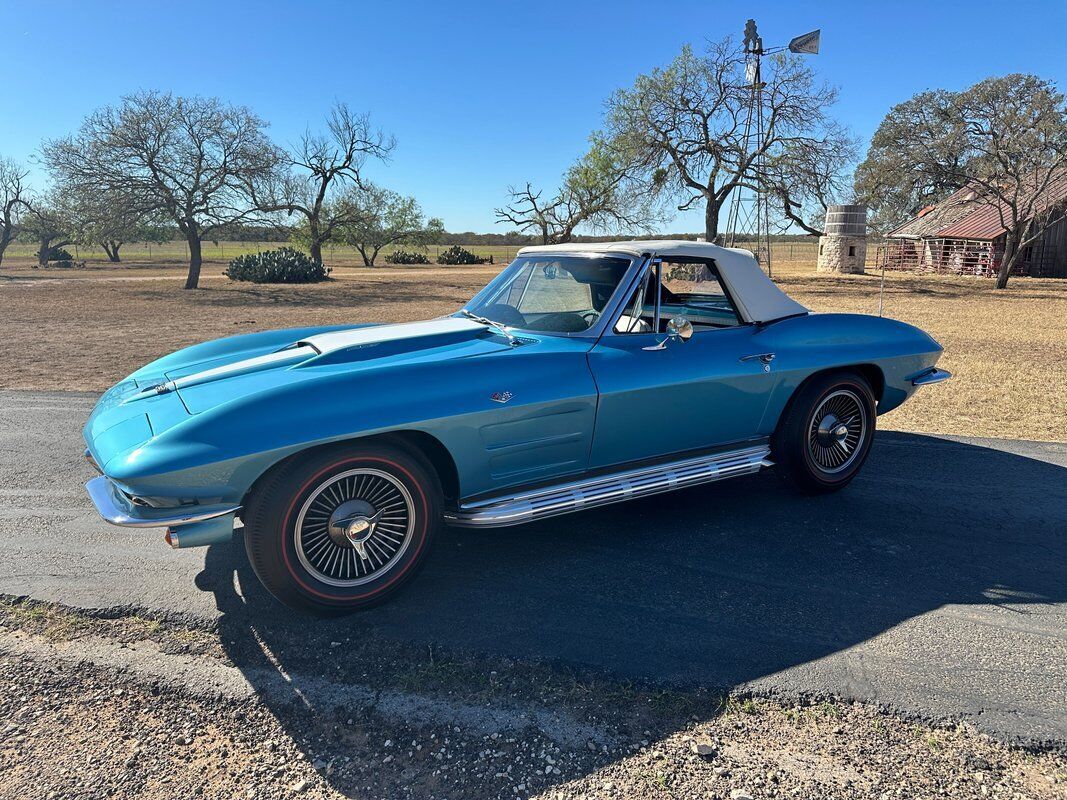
(757, 298)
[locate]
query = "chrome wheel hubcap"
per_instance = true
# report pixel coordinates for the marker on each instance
(354, 527)
(836, 431)
(353, 524)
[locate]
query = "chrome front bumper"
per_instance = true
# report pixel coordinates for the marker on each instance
(116, 508)
(931, 376)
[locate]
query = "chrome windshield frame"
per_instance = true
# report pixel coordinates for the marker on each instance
(593, 332)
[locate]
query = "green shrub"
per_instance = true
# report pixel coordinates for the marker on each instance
(458, 255)
(59, 254)
(403, 257)
(284, 265)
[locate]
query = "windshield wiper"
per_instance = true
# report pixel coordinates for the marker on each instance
(512, 339)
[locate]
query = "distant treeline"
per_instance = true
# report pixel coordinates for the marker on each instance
(283, 233)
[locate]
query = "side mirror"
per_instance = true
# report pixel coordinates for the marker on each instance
(677, 328)
(680, 328)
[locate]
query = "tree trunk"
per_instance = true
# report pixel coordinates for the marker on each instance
(3, 248)
(315, 239)
(195, 259)
(44, 250)
(1007, 261)
(112, 250)
(711, 219)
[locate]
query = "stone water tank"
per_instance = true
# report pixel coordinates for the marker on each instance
(843, 245)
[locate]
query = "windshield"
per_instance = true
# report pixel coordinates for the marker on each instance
(551, 294)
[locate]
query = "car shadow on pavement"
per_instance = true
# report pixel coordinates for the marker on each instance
(716, 586)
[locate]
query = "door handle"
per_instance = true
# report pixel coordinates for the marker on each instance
(764, 358)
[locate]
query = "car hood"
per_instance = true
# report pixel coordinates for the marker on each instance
(167, 392)
(203, 386)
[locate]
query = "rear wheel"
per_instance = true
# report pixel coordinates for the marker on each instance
(341, 530)
(825, 434)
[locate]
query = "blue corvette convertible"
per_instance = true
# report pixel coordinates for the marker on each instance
(583, 374)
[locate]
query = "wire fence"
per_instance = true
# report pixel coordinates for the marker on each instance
(965, 257)
(797, 255)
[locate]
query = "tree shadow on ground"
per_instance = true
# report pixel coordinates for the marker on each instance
(716, 586)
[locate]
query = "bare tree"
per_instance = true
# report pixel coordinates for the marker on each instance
(529, 213)
(1004, 138)
(191, 159)
(321, 166)
(13, 192)
(379, 218)
(110, 223)
(685, 125)
(46, 222)
(597, 191)
(807, 175)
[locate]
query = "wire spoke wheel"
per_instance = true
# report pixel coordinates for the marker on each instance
(837, 430)
(354, 526)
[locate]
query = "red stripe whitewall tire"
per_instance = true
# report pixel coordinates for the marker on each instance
(343, 528)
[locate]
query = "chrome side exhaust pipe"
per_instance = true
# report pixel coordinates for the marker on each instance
(201, 534)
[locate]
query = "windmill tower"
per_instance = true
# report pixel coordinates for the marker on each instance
(748, 218)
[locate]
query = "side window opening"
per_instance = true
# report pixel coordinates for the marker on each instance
(690, 288)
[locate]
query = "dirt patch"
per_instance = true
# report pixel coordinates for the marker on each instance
(93, 707)
(77, 332)
(86, 329)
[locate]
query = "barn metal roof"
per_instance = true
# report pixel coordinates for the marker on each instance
(984, 223)
(933, 219)
(961, 216)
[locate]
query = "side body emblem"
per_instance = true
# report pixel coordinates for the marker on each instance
(501, 397)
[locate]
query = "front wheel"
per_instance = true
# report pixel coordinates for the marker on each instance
(826, 433)
(340, 530)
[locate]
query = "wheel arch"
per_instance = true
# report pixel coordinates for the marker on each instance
(872, 373)
(432, 449)
(419, 443)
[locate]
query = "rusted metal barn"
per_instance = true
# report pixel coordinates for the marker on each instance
(964, 236)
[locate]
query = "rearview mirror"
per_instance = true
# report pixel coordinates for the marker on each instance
(680, 328)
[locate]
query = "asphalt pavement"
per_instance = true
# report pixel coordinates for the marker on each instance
(936, 584)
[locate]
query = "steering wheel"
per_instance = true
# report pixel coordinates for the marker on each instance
(590, 317)
(504, 314)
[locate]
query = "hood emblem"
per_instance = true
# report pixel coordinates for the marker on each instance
(501, 397)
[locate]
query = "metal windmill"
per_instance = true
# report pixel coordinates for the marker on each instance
(748, 218)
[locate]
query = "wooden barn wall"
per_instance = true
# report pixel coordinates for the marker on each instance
(1056, 237)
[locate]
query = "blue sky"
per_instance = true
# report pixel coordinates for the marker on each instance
(479, 95)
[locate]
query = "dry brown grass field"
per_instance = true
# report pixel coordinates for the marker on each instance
(86, 328)
(23, 253)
